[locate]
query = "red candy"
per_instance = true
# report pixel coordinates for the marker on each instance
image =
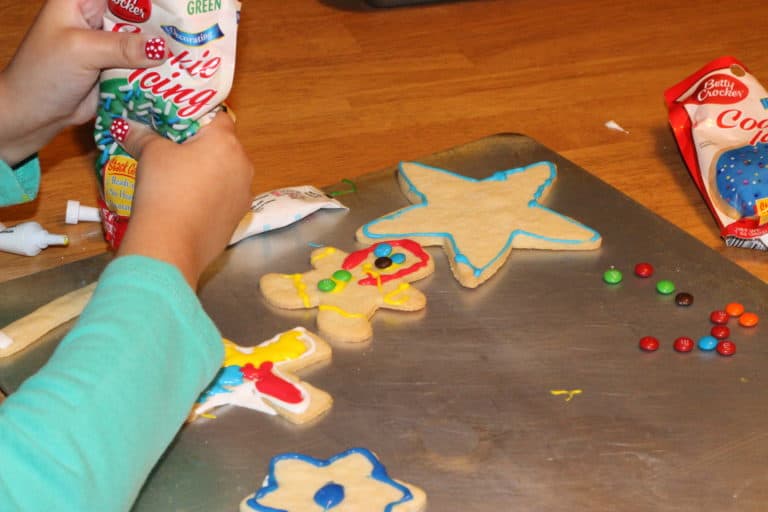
(719, 317)
(684, 344)
(720, 332)
(649, 343)
(643, 270)
(726, 348)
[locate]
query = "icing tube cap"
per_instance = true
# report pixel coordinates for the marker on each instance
(76, 213)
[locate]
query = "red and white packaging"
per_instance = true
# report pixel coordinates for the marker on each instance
(719, 117)
(175, 99)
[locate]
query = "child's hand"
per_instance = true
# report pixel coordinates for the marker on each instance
(52, 81)
(189, 197)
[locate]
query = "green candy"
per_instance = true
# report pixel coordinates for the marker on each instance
(342, 275)
(665, 287)
(326, 285)
(612, 276)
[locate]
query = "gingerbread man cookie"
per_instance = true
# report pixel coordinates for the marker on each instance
(347, 289)
(261, 378)
(352, 481)
(479, 222)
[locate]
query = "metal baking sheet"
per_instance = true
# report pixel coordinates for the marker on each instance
(458, 398)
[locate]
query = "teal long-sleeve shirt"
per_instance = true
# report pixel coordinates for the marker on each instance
(84, 432)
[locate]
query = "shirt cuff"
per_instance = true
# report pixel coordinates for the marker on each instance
(19, 184)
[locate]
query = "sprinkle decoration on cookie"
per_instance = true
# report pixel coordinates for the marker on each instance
(353, 480)
(506, 213)
(259, 378)
(347, 289)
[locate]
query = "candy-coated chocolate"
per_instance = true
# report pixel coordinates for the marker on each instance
(719, 317)
(665, 287)
(612, 276)
(383, 262)
(342, 275)
(382, 250)
(749, 320)
(326, 285)
(643, 270)
(649, 343)
(707, 343)
(720, 331)
(398, 258)
(684, 299)
(726, 348)
(684, 344)
(734, 309)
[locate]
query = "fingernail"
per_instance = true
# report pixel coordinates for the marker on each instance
(119, 129)
(155, 48)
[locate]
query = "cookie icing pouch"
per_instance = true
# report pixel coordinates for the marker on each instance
(719, 116)
(281, 207)
(176, 98)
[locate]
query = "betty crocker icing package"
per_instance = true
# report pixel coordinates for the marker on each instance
(719, 116)
(176, 98)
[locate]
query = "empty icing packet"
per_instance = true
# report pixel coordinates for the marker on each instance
(175, 98)
(280, 208)
(719, 117)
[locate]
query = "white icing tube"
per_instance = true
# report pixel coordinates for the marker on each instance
(28, 239)
(76, 213)
(279, 208)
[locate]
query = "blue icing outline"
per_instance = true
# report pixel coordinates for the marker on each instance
(379, 472)
(497, 176)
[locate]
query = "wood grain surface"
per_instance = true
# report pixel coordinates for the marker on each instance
(330, 90)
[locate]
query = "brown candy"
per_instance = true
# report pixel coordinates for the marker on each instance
(683, 299)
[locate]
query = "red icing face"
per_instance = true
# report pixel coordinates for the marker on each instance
(357, 257)
(270, 384)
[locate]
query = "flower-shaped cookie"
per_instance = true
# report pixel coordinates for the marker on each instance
(347, 289)
(478, 222)
(260, 378)
(352, 481)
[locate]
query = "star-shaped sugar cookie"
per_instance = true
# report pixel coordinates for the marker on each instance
(478, 222)
(354, 480)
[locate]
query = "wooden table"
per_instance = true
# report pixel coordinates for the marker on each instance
(327, 90)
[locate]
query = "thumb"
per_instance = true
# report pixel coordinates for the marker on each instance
(134, 137)
(123, 50)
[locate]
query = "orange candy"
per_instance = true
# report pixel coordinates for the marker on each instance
(734, 309)
(748, 320)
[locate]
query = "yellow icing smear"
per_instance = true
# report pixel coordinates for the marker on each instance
(336, 309)
(287, 347)
(397, 297)
(301, 287)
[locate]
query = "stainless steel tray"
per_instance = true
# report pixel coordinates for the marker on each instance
(457, 398)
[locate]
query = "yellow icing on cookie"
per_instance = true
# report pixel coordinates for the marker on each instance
(301, 287)
(368, 269)
(336, 309)
(288, 346)
(392, 297)
(322, 254)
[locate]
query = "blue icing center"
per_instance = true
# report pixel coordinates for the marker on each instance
(742, 177)
(330, 495)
